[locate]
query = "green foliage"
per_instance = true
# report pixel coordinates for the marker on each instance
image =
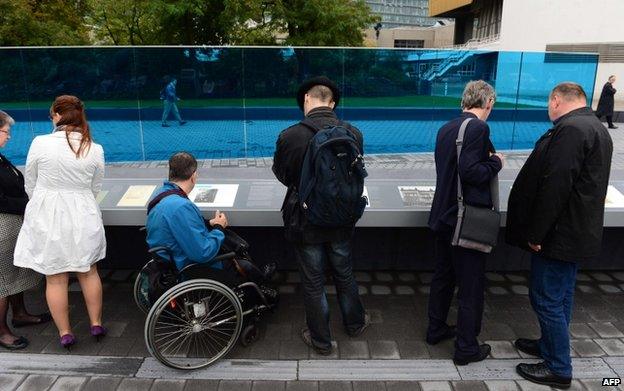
(300, 22)
(184, 22)
(42, 22)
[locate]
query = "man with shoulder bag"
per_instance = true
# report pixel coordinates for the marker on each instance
(320, 161)
(465, 220)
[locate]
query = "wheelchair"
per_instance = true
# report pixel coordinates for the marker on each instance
(198, 320)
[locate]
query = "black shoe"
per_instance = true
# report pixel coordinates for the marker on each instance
(182, 123)
(449, 334)
(268, 270)
(307, 339)
(358, 332)
(269, 293)
(484, 351)
(540, 374)
(613, 127)
(165, 125)
(528, 346)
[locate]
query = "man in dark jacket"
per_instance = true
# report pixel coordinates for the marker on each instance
(556, 210)
(456, 266)
(315, 245)
(607, 101)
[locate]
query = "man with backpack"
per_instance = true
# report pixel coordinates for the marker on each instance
(320, 161)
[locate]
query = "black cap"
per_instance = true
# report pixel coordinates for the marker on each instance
(317, 81)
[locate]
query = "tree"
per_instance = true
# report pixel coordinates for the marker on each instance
(302, 22)
(123, 22)
(45, 23)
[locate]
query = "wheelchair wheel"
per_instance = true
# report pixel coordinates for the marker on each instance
(193, 324)
(140, 292)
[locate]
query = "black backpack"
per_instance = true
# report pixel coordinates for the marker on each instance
(332, 177)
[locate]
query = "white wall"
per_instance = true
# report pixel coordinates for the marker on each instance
(532, 24)
(529, 25)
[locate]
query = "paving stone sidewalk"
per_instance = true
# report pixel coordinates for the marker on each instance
(397, 302)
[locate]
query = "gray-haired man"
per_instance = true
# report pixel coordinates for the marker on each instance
(455, 266)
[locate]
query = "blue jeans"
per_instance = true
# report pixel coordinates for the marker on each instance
(170, 107)
(552, 298)
(312, 259)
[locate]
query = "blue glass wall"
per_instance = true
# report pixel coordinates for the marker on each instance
(237, 100)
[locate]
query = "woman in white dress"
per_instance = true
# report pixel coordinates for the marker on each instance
(62, 230)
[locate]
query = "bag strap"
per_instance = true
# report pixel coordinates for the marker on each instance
(459, 143)
(494, 191)
(162, 195)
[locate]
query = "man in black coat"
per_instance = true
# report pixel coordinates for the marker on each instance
(607, 101)
(456, 266)
(556, 210)
(315, 246)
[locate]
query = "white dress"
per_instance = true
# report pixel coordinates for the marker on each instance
(63, 229)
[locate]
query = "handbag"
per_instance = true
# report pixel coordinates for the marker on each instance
(477, 227)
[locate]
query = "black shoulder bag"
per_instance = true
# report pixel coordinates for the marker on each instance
(477, 227)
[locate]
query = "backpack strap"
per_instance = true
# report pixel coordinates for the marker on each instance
(308, 123)
(162, 195)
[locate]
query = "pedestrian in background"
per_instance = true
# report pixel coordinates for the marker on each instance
(555, 211)
(606, 102)
(169, 98)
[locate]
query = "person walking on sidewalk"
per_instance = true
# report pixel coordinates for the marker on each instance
(169, 98)
(606, 102)
(319, 242)
(455, 266)
(555, 211)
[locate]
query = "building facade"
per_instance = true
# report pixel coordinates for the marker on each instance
(538, 25)
(402, 13)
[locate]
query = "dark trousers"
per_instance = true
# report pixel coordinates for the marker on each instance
(312, 259)
(552, 299)
(464, 268)
(609, 119)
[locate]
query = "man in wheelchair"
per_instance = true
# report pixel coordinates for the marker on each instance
(176, 224)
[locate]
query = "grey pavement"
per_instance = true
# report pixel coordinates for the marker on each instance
(390, 355)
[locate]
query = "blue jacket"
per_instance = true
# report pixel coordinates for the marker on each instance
(169, 93)
(476, 169)
(176, 223)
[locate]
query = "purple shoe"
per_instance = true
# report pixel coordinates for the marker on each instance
(98, 332)
(67, 340)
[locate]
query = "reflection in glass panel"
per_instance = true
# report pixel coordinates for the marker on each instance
(539, 74)
(202, 111)
(237, 100)
(14, 100)
(104, 79)
(272, 79)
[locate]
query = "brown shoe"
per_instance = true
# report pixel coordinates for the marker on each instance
(360, 331)
(307, 339)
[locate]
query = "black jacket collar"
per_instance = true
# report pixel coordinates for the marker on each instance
(321, 112)
(580, 111)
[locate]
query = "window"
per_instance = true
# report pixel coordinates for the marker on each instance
(409, 43)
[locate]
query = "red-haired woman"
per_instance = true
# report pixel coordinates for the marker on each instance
(63, 230)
